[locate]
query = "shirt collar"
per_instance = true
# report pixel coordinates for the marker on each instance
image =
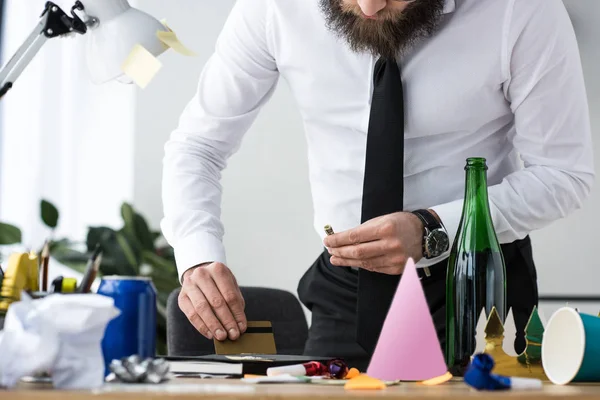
(449, 6)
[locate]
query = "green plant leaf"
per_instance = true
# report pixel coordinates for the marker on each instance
(136, 228)
(167, 252)
(114, 259)
(158, 262)
(63, 252)
(99, 235)
(143, 233)
(128, 216)
(110, 266)
(61, 243)
(9, 234)
(127, 251)
(49, 214)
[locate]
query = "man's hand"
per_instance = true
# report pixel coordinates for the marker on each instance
(211, 299)
(382, 244)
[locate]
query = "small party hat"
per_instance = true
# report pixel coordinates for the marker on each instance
(408, 348)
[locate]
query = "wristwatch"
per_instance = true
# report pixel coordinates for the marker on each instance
(435, 236)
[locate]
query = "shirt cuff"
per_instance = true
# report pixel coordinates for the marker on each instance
(199, 248)
(450, 214)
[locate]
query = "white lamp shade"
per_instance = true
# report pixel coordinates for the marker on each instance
(120, 28)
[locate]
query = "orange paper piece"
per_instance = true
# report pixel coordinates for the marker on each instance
(352, 373)
(364, 382)
(437, 381)
(408, 348)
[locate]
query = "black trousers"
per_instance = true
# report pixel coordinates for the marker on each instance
(330, 293)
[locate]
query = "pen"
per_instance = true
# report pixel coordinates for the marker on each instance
(91, 270)
(97, 262)
(313, 368)
(336, 369)
(63, 285)
(44, 262)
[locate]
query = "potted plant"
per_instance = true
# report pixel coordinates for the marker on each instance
(132, 250)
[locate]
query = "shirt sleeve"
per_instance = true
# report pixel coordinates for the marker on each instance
(238, 79)
(546, 92)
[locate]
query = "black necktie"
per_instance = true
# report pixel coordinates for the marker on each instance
(383, 192)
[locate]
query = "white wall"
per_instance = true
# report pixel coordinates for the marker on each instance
(64, 138)
(566, 253)
(267, 210)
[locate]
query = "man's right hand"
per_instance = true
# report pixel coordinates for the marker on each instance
(211, 299)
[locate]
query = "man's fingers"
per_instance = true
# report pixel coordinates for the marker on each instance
(383, 264)
(241, 296)
(204, 308)
(221, 310)
(186, 306)
(364, 233)
(227, 285)
(243, 302)
(368, 264)
(363, 251)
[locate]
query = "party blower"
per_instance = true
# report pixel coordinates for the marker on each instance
(116, 32)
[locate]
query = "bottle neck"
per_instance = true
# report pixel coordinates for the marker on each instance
(476, 187)
(477, 217)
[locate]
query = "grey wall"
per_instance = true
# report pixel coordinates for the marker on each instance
(267, 210)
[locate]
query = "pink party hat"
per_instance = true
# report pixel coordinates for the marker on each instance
(408, 348)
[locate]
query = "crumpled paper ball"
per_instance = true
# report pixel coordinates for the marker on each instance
(134, 369)
(59, 335)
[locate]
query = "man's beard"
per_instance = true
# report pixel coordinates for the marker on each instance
(392, 33)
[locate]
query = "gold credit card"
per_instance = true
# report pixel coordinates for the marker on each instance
(258, 339)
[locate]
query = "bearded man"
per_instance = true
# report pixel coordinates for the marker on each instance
(394, 96)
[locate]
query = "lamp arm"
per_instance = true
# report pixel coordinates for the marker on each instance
(54, 22)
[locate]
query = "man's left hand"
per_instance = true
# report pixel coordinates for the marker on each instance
(382, 244)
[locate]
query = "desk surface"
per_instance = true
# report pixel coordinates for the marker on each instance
(233, 389)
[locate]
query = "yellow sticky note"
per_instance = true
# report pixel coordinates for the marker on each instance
(141, 66)
(437, 380)
(364, 382)
(170, 39)
(352, 373)
(164, 22)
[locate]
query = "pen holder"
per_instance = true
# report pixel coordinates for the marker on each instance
(133, 332)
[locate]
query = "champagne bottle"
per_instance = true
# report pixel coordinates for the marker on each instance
(476, 276)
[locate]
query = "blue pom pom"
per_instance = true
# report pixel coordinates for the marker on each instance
(483, 362)
(479, 374)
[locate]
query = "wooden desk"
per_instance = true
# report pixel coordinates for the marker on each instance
(233, 389)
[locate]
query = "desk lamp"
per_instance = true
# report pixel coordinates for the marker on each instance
(113, 27)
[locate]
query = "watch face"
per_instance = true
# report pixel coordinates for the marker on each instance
(437, 243)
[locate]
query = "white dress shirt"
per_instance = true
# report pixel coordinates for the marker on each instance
(501, 79)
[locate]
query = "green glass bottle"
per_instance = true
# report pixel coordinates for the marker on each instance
(476, 276)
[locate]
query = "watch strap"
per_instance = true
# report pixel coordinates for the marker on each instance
(429, 221)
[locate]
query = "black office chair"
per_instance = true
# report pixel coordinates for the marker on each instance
(262, 304)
